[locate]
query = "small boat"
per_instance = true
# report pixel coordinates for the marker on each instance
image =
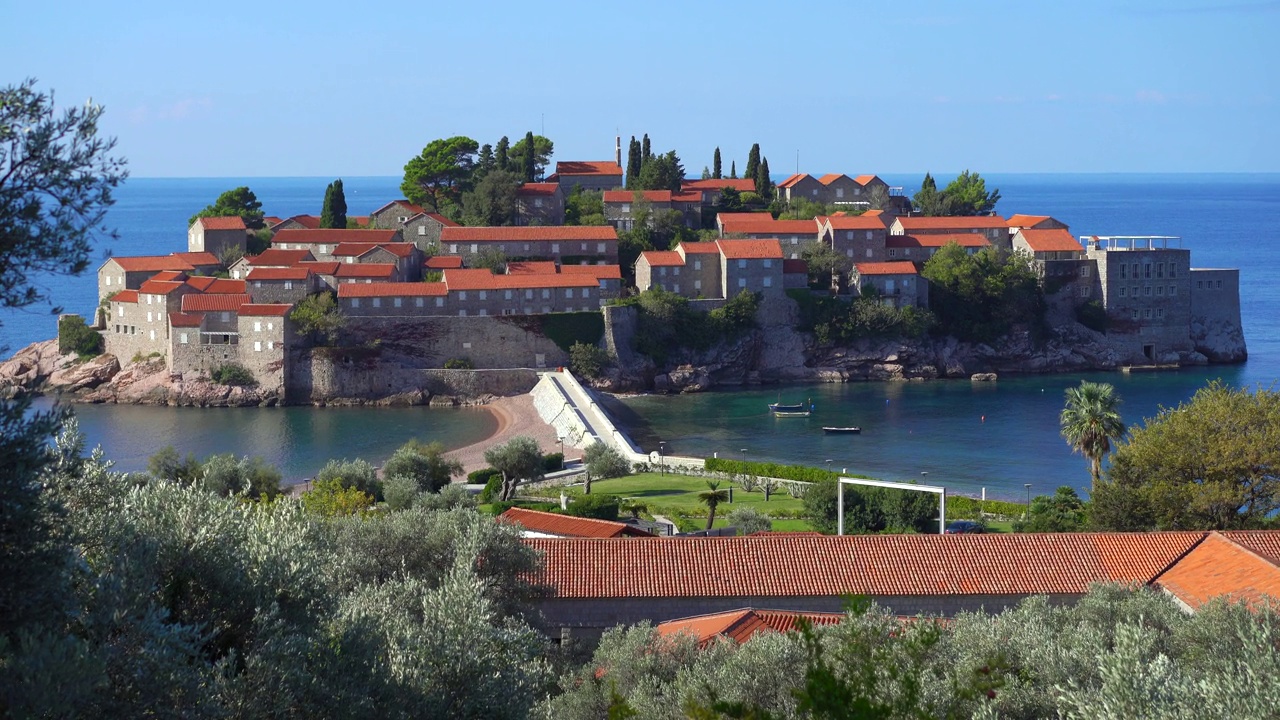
(791, 413)
(841, 430)
(778, 407)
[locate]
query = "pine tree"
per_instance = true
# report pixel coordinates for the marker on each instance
(715, 165)
(634, 160)
(706, 173)
(764, 186)
(500, 158)
(753, 162)
(326, 212)
(485, 163)
(645, 154)
(530, 160)
(339, 205)
(733, 169)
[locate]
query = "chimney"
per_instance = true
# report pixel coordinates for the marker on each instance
(617, 149)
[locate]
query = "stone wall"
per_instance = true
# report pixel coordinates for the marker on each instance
(323, 376)
(554, 408)
(488, 342)
(1216, 331)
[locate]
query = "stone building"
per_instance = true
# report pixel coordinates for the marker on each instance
(128, 273)
(1145, 285)
(798, 186)
(1059, 259)
(540, 204)
(416, 224)
(322, 242)
(792, 235)
(565, 244)
(394, 215)
(754, 265)
(595, 175)
(858, 238)
(289, 285)
(993, 228)
(620, 206)
(405, 256)
(691, 270)
(711, 190)
(897, 284)
(919, 248)
(217, 235)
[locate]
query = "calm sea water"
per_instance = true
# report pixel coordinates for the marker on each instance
(999, 436)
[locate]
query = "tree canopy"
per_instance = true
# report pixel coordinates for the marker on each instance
(236, 201)
(966, 195)
(981, 296)
(440, 172)
(1091, 422)
(425, 463)
(320, 317)
(518, 459)
(661, 172)
(543, 149)
(334, 212)
(493, 200)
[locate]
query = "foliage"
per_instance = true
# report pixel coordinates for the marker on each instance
(424, 463)
(753, 162)
(329, 498)
(982, 296)
(459, 364)
(1093, 316)
(553, 462)
(319, 317)
(334, 212)
(802, 208)
(1063, 511)
(492, 201)
(712, 498)
(871, 509)
(836, 321)
(967, 195)
(1207, 464)
(238, 201)
(584, 207)
(715, 165)
(492, 487)
(440, 173)
(600, 507)
(74, 336)
(232, 373)
(56, 183)
(588, 360)
(748, 520)
(775, 470)
(667, 323)
(518, 459)
(1091, 421)
(603, 461)
(358, 474)
(229, 476)
(764, 186)
(258, 242)
(399, 492)
(167, 464)
(541, 156)
(567, 329)
(661, 172)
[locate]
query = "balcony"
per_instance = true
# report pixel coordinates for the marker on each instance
(1112, 243)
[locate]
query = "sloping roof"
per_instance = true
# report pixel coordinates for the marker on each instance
(198, 258)
(739, 184)
(663, 258)
(856, 222)
(440, 262)
(769, 249)
(832, 177)
(792, 180)
(365, 270)
(275, 257)
(936, 241)
(181, 319)
(588, 167)
(444, 221)
(265, 309)
(887, 268)
(1263, 542)
(333, 236)
(742, 625)
(413, 209)
(771, 227)
(229, 222)
(327, 267)
(599, 272)
(568, 525)
(392, 289)
(213, 303)
(357, 249)
(1058, 240)
(275, 273)
(864, 179)
(725, 217)
(529, 233)
(795, 267)
(129, 296)
(481, 279)
(956, 222)
(805, 566)
(311, 222)
(151, 263)
(531, 267)
(217, 286)
(699, 248)
(159, 287)
(1221, 566)
(1024, 221)
(542, 188)
(170, 276)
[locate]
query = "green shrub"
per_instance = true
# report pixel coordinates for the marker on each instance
(775, 470)
(588, 360)
(600, 507)
(567, 329)
(74, 336)
(492, 488)
(552, 462)
(232, 374)
(480, 477)
(1093, 316)
(459, 364)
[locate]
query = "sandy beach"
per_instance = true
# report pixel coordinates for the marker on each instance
(516, 416)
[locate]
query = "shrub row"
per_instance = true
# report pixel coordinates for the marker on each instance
(775, 470)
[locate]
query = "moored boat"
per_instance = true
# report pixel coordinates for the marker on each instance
(841, 430)
(805, 407)
(791, 413)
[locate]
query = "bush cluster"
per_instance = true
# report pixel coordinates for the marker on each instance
(836, 321)
(74, 336)
(666, 323)
(600, 507)
(774, 470)
(459, 364)
(232, 374)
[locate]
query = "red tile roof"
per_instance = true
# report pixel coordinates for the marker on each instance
(275, 257)
(216, 286)
(856, 222)
(568, 525)
(771, 227)
(265, 310)
(832, 177)
(481, 279)
(159, 287)
(180, 319)
(887, 268)
(771, 565)
(331, 236)
(230, 222)
(151, 263)
(960, 222)
(311, 222)
(358, 249)
(543, 188)
(274, 273)
(440, 262)
(1219, 567)
(530, 233)
(791, 180)
(365, 270)
(739, 184)
(742, 625)
(213, 303)
(599, 272)
(531, 267)
(769, 249)
(699, 248)
(1058, 240)
(170, 276)
(1027, 220)
(1263, 542)
(129, 296)
(328, 267)
(795, 267)
(936, 241)
(413, 209)
(864, 179)
(444, 221)
(662, 258)
(392, 289)
(588, 167)
(762, 216)
(270, 220)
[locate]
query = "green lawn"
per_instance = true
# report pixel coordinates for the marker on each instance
(680, 493)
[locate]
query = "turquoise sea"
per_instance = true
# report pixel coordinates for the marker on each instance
(998, 436)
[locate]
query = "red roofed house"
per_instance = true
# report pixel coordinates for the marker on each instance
(394, 215)
(266, 334)
(691, 270)
(205, 263)
(217, 234)
(992, 227)
(405, 256)
(280, 285)
(322, 242)
(138, 323)
(128, 273)
(587, 174)
(565, 244)
(366, 273)
(897, 284)
(600, 583)
(1240, 565)
(754, 265)
(711, 190)
(540, 204)
(221, 318)
(416, 224)
(1057, 254)
(859, 238)
(539, 524)
(479, 292)
(390, 299)
(1034, 222)
(919, 248)
(793, 235)
(741, 625)
(801, 185)
(297, 222)
(608, 276)
(620, 206)
(441, 262)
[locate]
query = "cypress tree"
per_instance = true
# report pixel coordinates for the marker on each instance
(500, 158)
(530, 158)
(753, 162)
(715, 165)
(326, 213)
(485, 162)
(339, 205)
(764, 186)
(645, 154)
(634, 159)
(733, 169)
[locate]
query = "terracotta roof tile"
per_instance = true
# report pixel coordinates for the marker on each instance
(1264, 542)
(151, 263)
(311, 222)
(365, 270)
(599, 272)
(440, 262)
(1026, 220)
(588, 167)
(392, 289)
(333, 236)
(530, 233)
(792, 180)
(1058, 240)
(213, 303)
(531, 267)
(1222, 567)
(217, 286)
(936, 241)
(198, 258)
(358, 249)
(230, 222)
(568, 525)
(275, 257)
(181, 319)
(864, 179)
(699, 248)
(170, 276)
(265, 309)
(887, 268)
(274, 273)
(771, 227)
(793, 565)
(328, 267)
(413, 209)
(739, 184)
(742, 625)
(159, 287)
(663, 258)
(762, 215)
(959, 222)
(769, 249)
(856, 222)
(129, 296)
(481, 279)
(832, 177)
(543, 188)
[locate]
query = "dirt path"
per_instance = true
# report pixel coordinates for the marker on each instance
(516, 416)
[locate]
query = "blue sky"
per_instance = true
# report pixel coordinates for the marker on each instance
(282, 88)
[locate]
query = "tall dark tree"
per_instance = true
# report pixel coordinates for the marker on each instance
(635, 158)
(764, 186)
(236, 201)
(645, 153)
(929, 201)
(485, 162)
(662, 172)
(529, 158)
(733, 169)
(326, 210)
(715, 165)
(543, 148)
(493, 200)
(501, 154)
(334, 212)
(753, 162)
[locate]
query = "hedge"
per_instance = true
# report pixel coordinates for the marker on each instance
(564, 329)
(775, 470)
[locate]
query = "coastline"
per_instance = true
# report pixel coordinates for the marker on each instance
(515, 415)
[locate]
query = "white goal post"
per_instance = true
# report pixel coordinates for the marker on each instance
(941, 491)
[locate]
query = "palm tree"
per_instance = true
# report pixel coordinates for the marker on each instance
(1091, 422)
(712, 498)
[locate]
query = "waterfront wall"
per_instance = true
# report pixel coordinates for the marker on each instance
(487, 342)
(325, 376)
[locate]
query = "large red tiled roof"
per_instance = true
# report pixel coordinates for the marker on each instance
(265, 309)
(1220, 567)
(275, 273)
(725, 217)
(198, 258)
(588, 167)
(129, 296)
(159, 287)
(230, 222)
(769, 249)
(741, 625)
(1058, 240)
(739, 184)
(333, 236)
(444, 221)
(365, 270)
(568, 525)
(770, 227)
(413, 209)
(216, 286)
(887, 268)
(832, 177)
(181, 319)
(599, 272)
(531, 267)
(877, 565)
(356, 249)
(275, 257)
(481, 279)
(170, 276)
(440, 262)
(864, 179)
(936, 241)
(392, 289)
(1264, 542)
(311, 222)
(699, 248)
(543, 188)
(327, 267)
(662, 258)
(957, 222)
(151, 263)
(213, 303)
(856, 222)
(530, 233)
(791, 180)
(1024, 221)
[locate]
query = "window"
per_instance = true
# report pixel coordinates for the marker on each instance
(892, 253)
(528, 294)
(1124, 275)
(148, 299)
(506, 294)
(453, 248)
(148, 316)
(546, 294)
(1160, 270)
(483, 312)
(586, 293)
(849, 252)
(742, 282)
(1084, 271)
(626, 207)
(1146, 314)
(257, 346)
(555, 248)
(182, 337)
(697, 284)
(849, 235)
(1084, 292)
(839, 192)
(768, 263)
(1173, 270)
(869, 253)
(662, 272)
(795, 240)
(1199, 286)
(439, 302)
(537, 202)
(355, 302)
(475, 248)
(1219, 287)
(676, 288)
(462, 294)
(377, 302)
(395, 302)
(1135, 313)
(1135, 291)
(768, 281)
(462, 313)
(418, 302)
(1135, 271)
(1147, 291)
(483, 295)
(288, 284)
(257, 326)
(1146, 270)
(815, 192)
(422, 229)
(697, 264)
(600, 247)
(1121, 292)
(1160, 290)
(568, 292)
(742, 264)
(271, 345)
(1173, 290)
(271, 326)
(108, 281)
(1160, 312)
(526, 247)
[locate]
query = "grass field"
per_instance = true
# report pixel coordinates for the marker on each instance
(680, 493)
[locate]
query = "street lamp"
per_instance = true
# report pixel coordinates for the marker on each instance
(1028, 509)
(662, 451)
(560, 440)
(828, 465)
(744, 459)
